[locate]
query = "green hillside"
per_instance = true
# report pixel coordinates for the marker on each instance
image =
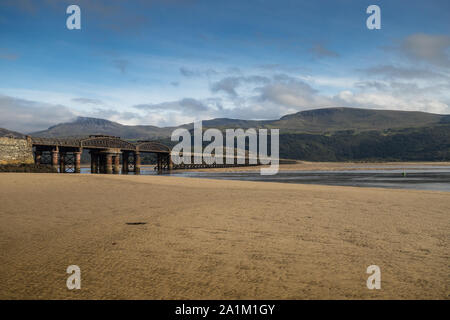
(411, 144)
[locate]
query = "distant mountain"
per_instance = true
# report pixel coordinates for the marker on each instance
(83, 126)
(317, 121)
(339, 119)
(226, 123)
(9, 133)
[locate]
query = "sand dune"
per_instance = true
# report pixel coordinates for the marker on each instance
(159, 237)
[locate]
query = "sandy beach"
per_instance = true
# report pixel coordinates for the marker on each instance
(162, 237)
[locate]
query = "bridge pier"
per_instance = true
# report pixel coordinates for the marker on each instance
(125, 156)
(108, 163)
(37, 157)
(158, 163)
(137, 163)
(101, 163)
(94, 162)
(116, 166)
(170, 162)
(77, 161)
(62, 164)
(55, 155)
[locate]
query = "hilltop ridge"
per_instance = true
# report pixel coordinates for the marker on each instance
(309, 121)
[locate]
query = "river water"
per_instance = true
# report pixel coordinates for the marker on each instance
(425, 178)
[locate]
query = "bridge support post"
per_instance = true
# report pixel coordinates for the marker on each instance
(37, 157)
(62, 162)
(137, 163)
(108, 163)
(94, 162)
(158, 163)
(116, 167)
(101, 163)
(125, 155)
(77, 161)
(169, 162)
(55, 154)
(97, 164)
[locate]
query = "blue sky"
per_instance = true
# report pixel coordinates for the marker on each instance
(168, 62)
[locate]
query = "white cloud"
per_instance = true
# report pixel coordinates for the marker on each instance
(229, 85)
(26, 116)
(183, 106)
(388, 101)
(396, 72)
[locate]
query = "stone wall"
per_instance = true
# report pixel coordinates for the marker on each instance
(15, 151)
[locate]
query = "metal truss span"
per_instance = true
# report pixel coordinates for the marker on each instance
(102, 142)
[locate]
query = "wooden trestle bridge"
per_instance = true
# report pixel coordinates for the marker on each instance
(108, 154)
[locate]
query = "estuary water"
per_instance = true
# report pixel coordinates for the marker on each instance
(428, 178)
(433, 179)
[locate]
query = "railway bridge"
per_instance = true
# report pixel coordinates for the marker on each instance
(106, 154)
(111, 154)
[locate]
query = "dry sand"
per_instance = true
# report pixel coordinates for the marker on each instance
(210, 239)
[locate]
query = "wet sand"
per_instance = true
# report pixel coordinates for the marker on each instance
(217, 239)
